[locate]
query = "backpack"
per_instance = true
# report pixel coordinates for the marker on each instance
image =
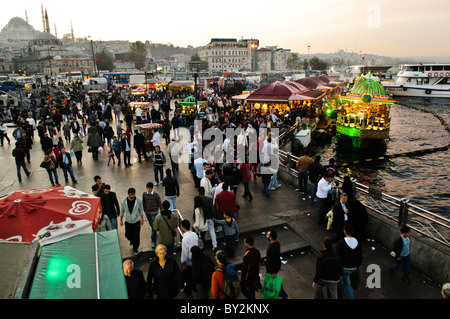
(232, 284)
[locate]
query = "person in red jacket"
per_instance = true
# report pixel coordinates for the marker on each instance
(218, 279)
(246, 173)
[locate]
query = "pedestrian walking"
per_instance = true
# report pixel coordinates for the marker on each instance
(250, 281)
(126, 149)
(110, 205)
(164, 277)
(189, 240)
(202, 271)
(65, 163)
(152, 205)
(94, 142)
(166, 224)
(50, 164)
(172, 189)
(350, 251)
(328, 271)
(19, 154)
(159, 161)
(134, 278)
(4, 132)
(273, 258)
(231, 231)
(131, 209)
(402, 254)
(77, 147)
(200, 223)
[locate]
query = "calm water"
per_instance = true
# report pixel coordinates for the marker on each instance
(424, 179)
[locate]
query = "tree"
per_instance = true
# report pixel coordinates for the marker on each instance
(293, 62)
(201, 66)
(104, 61)
(318, 64)
(137, 54)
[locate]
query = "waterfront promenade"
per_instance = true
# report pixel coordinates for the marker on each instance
(286, 209)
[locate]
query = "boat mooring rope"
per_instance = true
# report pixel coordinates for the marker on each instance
(412, 153)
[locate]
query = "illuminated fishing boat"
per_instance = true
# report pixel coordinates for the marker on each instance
(363, 117)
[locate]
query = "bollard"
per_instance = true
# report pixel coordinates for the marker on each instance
(403, 212)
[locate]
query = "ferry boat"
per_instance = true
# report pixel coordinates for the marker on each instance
(422, 80)
(363, 116)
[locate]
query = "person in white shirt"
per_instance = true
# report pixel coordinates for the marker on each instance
(138, 112)
(323, 187)
(155, 139)
(189, 240)
(3, 132)
(206, 183)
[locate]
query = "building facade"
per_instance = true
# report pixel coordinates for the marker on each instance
(230, 55)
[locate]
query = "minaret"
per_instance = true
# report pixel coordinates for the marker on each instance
(56, 32)
(71, 30)
(47, 22)
(26, 17)
(43, 18)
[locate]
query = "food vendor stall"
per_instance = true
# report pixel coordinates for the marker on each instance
(147, 130)
(364, 114)
(189, 107)
(145, 106)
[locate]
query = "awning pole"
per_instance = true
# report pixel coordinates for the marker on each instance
(96, 267)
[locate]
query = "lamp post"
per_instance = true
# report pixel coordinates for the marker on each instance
(309, 47)
(194, 65)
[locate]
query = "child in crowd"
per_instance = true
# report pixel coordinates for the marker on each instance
(231, 231)
(111, 156)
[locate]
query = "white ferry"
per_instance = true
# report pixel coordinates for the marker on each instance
(422, 80)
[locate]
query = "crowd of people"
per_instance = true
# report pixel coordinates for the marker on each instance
(67, 121)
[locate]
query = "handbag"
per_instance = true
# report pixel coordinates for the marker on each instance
(71, 153)
(272, 287)
(45, 165)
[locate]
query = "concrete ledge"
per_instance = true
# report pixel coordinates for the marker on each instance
(427, 256)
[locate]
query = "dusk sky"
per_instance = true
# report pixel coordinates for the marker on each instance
(390, 28)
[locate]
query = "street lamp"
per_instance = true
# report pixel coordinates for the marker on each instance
(309, 47)
(194, 66)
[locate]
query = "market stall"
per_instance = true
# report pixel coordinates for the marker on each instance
(145, 106)
(147, 130)
(364, 113)
(189, 107)
(282, 97)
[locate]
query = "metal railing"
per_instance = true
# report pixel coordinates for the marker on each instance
(401, 211)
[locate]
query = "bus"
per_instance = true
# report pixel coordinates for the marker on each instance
(121, 79)
(68, 77)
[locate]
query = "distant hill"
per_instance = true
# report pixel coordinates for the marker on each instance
(164, 51)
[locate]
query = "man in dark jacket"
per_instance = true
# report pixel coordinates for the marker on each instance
(350, 251)
(340, 217)
(65, 162)
(139, 145)
(19, 154)
(210, 212)
(250, 281)
(110, 205)
(46, 143)
(328, 270)
(172, 189)
(314, 176)
(134, 278)
(401, 253)
(273, 258)
(25, 141)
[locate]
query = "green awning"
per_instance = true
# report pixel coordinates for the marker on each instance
(86, 266)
